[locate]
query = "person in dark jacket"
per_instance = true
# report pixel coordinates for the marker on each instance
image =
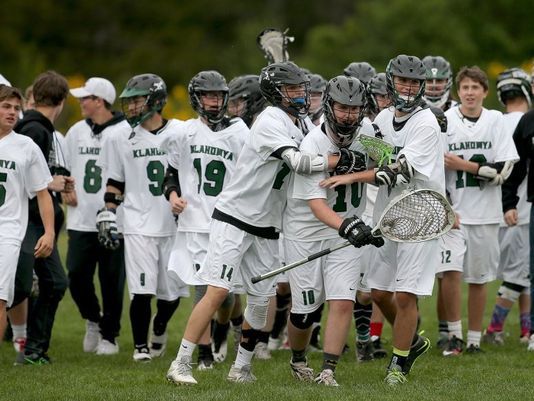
(524, 142)
(50, 90)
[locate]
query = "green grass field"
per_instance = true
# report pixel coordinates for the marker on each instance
(501, 373)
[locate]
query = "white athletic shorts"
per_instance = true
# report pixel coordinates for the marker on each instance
(9, 256)
(283, 277)
(514, 264)
(405, 267)
(233, 252)
(482, 254)
(451, 252)
(189, 254)
(368, 255)
(332, 277)
(147, 261)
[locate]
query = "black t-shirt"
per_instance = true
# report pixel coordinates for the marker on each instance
(523, 138)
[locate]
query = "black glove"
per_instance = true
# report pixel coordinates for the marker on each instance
(108, 234)
(377, 241)
(385, 175)
(350, 161)
(356, 231)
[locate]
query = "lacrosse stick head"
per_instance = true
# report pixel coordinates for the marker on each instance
(273, 43)
(416, 216)
(378, 150)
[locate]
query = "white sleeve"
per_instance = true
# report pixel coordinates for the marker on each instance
(505, 146)
(423, 148)
(270, 135)
(37, 175)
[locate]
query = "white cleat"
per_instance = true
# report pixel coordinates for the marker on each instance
(241, 375)
(142, 355)
(274, 344)
(531, 343)
(158, 345)
(326, 378)
(220, 355)
(92, 336)
(180, 372)
(106, 347)
(301, 371)
(205, 364)
(262, 352)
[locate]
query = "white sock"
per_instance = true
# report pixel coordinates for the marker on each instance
(473, 337)
(186, 349)
(243, 357)
(455, 329)
(19, 331)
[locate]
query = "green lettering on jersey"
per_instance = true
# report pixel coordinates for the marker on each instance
(3, 178)
(8, 164)
(147, 152)
(469, 145)
(86, 150)
(212, 150)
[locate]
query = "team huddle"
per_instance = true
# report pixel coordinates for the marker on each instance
(273, 169)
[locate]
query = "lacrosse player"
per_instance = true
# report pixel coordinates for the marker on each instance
(136, 168)
(85, 140)
(245, 99)
(480, 158)
(361, 70)
(202, 159)
(317, 88)
(247, 217)
(23, 174)
(514, 92)
(335, 277)
(404, 271)
(438, 83)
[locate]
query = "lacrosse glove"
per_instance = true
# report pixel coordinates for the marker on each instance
(350, 161)
(356, 231)
(106, 223)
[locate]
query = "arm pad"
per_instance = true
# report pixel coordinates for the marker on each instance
(400, 172)
(171, 182)
(111, 197)
(304, 163)
(495, 173)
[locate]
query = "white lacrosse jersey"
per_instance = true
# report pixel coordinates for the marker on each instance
(23, 172)
(140, 163)
(419, 141)
(85, 150)
(257, 192)
(483, 141)
(347, 200)
(523, 207)
(205, 160)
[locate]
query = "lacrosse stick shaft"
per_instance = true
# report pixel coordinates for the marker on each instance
(285, 268)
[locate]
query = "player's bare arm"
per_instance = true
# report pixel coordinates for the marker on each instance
(45, 244)
(324, 213)
(70, 198)
(454, 162)
(367, 176)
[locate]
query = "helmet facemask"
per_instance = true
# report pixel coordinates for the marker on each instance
(212, 114)
(144, 95)
(409, 68)
(343, 94)
(207, 83)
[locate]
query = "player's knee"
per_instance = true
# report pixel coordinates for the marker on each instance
(510, 291)
(304, 321)
(256, 311)
(228, 301)
(250, 338)
(282, 301)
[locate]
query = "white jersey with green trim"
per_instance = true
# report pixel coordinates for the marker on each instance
(84, 149)
(23, 172)
(419, 141)
(482, 141)
(140, 163)
(206, 161)
(257, 192)
(347, 200)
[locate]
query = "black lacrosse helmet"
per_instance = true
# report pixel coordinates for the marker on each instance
(208, 81)
(247, 87)
(407, 67)
(513, 83)
(361, 70)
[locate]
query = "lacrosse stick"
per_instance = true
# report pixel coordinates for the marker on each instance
(377, 149)
(413, 216)
(273, 44)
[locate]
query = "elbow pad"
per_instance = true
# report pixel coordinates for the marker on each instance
(304, 163)
(171, 182)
